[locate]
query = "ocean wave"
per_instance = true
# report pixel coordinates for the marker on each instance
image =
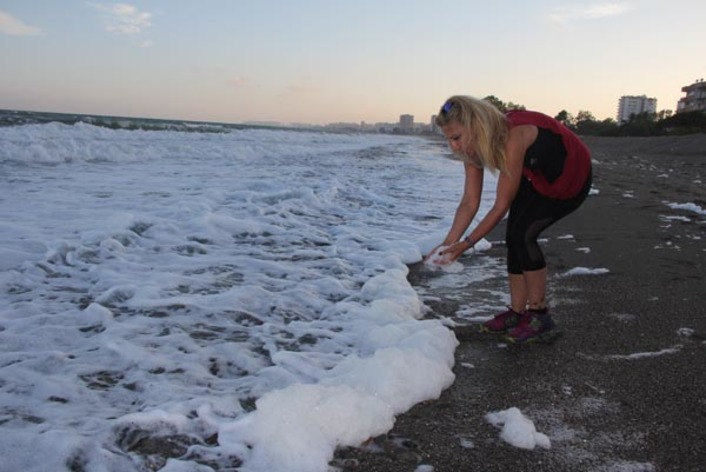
(199, 287)
(56, 143)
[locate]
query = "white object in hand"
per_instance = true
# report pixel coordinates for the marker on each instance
(439, 259)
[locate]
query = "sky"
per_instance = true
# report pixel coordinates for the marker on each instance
(323, 61)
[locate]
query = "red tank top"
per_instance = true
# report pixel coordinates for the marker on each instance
(577, 165)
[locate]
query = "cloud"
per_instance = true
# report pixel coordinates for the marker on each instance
(589, 12)
(122, 18)
(237, 82)
(12, 26)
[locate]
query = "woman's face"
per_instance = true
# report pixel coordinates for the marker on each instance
(459, 139)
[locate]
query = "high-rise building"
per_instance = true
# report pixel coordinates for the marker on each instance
(630, 105)
(407, 123)
(695, 99)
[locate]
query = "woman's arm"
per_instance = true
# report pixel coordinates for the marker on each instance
(470, 202)
(519, 140)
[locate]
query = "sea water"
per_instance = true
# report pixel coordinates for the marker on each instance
(242, 292)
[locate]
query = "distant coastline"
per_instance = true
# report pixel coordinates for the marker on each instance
(21, 117)
(24, 117)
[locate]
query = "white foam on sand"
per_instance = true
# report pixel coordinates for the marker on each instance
(584, 271)
(689, 206)
(517, 429)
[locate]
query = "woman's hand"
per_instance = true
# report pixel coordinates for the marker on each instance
(453, 252)
(433, 253)
(444, 255)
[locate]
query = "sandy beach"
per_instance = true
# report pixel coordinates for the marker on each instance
(624, 388)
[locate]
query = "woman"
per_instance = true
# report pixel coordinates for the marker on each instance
(544, 173)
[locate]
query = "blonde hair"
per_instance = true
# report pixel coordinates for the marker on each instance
(488, 126)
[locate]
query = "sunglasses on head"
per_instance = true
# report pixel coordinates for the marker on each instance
(447, 107)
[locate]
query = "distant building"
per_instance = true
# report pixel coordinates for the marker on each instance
(630, 105)
(432, 124)
(406, 123)
(695, 99)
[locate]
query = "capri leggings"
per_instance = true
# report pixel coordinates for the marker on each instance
(530, 214)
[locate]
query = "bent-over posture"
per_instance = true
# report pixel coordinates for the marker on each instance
(544, 173)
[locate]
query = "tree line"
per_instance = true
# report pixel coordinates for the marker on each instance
(642, 124)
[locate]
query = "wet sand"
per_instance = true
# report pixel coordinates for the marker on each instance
(624, 388)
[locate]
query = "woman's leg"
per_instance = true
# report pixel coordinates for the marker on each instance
(526, 288)
(518, 292)
(536, 287)
(530, 214)
(537, 213)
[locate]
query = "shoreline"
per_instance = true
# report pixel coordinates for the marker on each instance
(623, 389)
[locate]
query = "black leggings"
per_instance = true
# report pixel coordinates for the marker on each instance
(530, 214)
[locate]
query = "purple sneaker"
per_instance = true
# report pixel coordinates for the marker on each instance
(503, 322)
(534, 326)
